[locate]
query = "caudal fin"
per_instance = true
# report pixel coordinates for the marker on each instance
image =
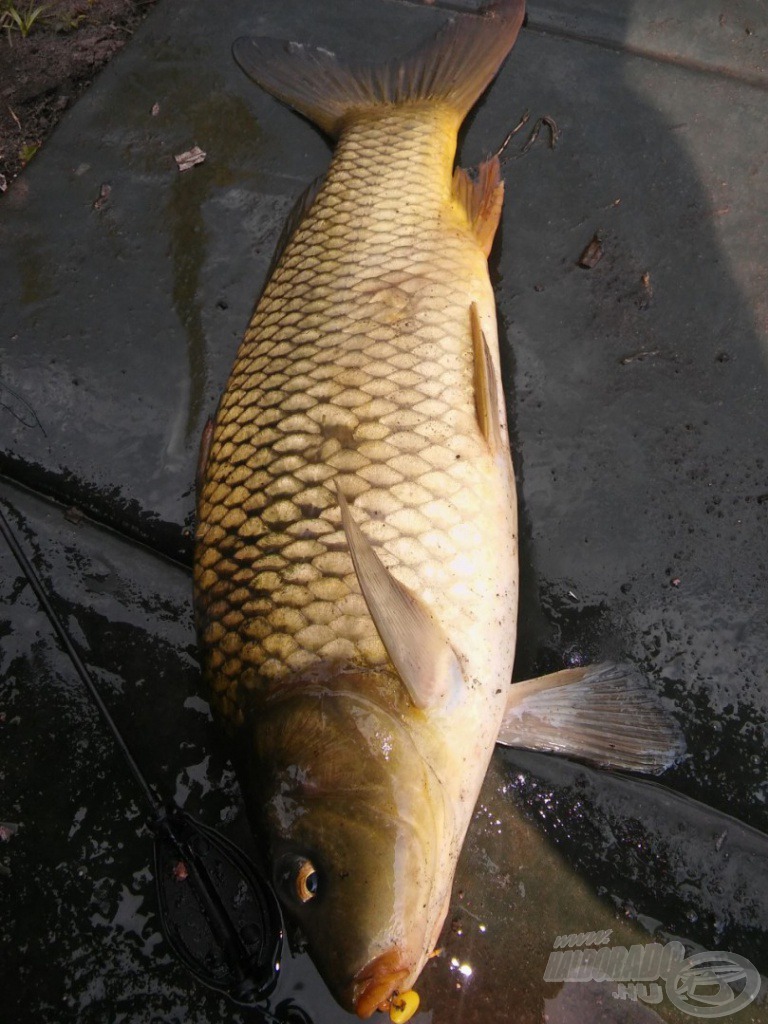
(453, 68)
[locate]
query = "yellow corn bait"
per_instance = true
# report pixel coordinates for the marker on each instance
(403, 1006)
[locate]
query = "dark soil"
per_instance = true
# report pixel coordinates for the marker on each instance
(43, 73)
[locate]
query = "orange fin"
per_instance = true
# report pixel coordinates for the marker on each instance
(453, 68)
(486, 392)
(482, 196)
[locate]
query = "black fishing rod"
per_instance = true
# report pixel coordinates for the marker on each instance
(222, 921)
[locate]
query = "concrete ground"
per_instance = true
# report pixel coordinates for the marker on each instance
(637, 394)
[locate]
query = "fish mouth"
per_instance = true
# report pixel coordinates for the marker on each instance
(377, 981)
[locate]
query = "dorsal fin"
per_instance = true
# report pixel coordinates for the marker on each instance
(482, 196)
(202, 458)
(415, 642)
(486, 392)
(453, 68)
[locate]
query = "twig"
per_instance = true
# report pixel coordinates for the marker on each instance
(520, 124)
(13, 115)
(16, 416)
(554, 133)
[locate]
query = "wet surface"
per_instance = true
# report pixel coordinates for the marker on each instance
(77, 872)
(728, 38)
(637, 396)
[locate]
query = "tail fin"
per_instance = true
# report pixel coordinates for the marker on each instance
(454, 68)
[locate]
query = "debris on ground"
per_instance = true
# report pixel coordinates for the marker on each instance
(554, 133)
(647, 290)
(104, 193)
(592, 254)
(513, 132)
(637, 357)
(190, 158)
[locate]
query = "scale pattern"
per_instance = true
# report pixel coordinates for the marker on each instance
(356, 371)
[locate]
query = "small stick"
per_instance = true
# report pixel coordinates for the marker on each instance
(13, 115)
(554, 133)
(520, 124)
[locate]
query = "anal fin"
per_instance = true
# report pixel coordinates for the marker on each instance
(482, 196)
(605, 714)
(415, 642)
(486, 392)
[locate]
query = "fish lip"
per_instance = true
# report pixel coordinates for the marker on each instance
(377, 981)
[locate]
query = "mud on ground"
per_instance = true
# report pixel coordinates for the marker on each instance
(43, 72)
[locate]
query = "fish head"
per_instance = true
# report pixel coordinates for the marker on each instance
(356, 828)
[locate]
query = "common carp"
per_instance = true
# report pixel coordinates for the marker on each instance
(356, 572)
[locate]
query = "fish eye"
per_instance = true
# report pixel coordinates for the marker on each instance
(299, 878)
(305, 881)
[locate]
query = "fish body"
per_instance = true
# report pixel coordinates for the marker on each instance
(356, 569)
(356, 372)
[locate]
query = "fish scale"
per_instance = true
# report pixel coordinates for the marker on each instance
(356, 371)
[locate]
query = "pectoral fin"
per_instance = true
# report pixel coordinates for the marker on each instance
(604, 713)
(415, 642)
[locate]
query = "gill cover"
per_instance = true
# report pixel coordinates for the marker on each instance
(354, 821)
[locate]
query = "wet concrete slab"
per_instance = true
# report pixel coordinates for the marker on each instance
(636, 389)
(729, 39)
(83, 939)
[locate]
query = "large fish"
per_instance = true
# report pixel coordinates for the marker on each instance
(356, 558)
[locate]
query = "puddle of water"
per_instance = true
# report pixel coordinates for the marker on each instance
(85, 940)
